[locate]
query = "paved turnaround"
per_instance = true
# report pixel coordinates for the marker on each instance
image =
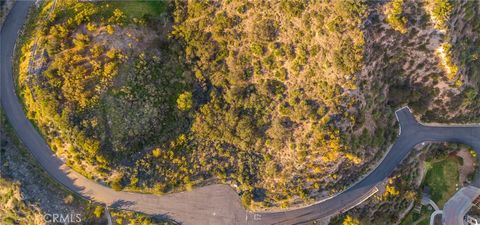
(214, 204)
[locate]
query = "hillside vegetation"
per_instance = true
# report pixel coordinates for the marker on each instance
(29, 196)
(432, 67)
(463, 35)
(93, 89)
(13, 209)
(273, 98)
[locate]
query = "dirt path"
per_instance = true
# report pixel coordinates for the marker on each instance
(468, 166)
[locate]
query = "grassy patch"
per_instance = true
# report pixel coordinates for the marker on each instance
(442, 176)
(140, 8)
(424, 222)
(421, 218)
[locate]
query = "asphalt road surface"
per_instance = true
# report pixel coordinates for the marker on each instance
(214, 204)
(459, 204)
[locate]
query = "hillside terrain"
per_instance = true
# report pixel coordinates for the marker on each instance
(14, 210)
(28, 196)
(399, 199)
(431, 50)
(286, 101)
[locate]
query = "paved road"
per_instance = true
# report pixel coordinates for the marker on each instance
(459, 204)
(214, 204)
(426, 200)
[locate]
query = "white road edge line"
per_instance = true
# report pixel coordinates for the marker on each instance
(396, 115)
(432, 217)
(370, 194)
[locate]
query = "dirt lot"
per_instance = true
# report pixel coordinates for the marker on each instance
(468, 165)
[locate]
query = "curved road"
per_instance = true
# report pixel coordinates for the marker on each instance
(214, 204)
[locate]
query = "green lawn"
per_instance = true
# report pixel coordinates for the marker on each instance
(426, 221)
(442, 176)
(140, 8)
(420, 219)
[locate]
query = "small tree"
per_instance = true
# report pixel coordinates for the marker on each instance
(156, 152)
(184, 101)
(246, 198)
(110, 29)
(350, 221)
(98, 211)
(116, 185)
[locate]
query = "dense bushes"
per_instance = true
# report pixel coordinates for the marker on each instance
(440, 12)
(237, 92)
(276, 87)
(14, 209)
(69, 76)
(394, 17)
(464, 51)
